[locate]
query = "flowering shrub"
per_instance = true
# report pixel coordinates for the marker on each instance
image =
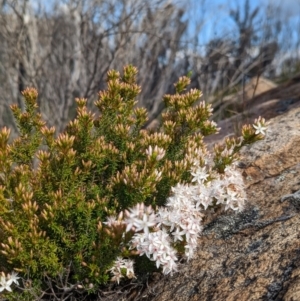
(77, 208)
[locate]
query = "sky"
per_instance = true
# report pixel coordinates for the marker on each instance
(212, 16)
(218, 10)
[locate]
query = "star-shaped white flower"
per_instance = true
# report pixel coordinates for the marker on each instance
(13, 278)
(200, 175)
(144, 224)
(260, 129)
(4, 285)
(178, 234)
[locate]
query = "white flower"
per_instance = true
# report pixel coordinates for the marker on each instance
(111, 220)
(141, 218)
(144, 224)
(178, 234)
(200, 175)
(117, 276)
(12, 278)
(233, 200)
(4, 285)
(170, 266)
(260, 129)
(128, 265)
(189, 251)
(121, 263)
(129, 224)
(203, 198)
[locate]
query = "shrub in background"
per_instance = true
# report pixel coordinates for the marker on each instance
(77, 207)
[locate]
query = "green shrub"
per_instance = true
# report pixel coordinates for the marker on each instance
(57, 191)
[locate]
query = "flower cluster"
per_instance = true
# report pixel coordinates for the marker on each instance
(119, 265)
(7, 281)
(160, 233)
(156, 244)
(180, 220)
(157, 247)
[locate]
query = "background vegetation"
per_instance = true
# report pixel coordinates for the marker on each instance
(65, 48)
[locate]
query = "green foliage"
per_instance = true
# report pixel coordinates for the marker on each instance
(57, 190)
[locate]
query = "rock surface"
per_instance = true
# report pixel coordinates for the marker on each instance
(253, 255)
